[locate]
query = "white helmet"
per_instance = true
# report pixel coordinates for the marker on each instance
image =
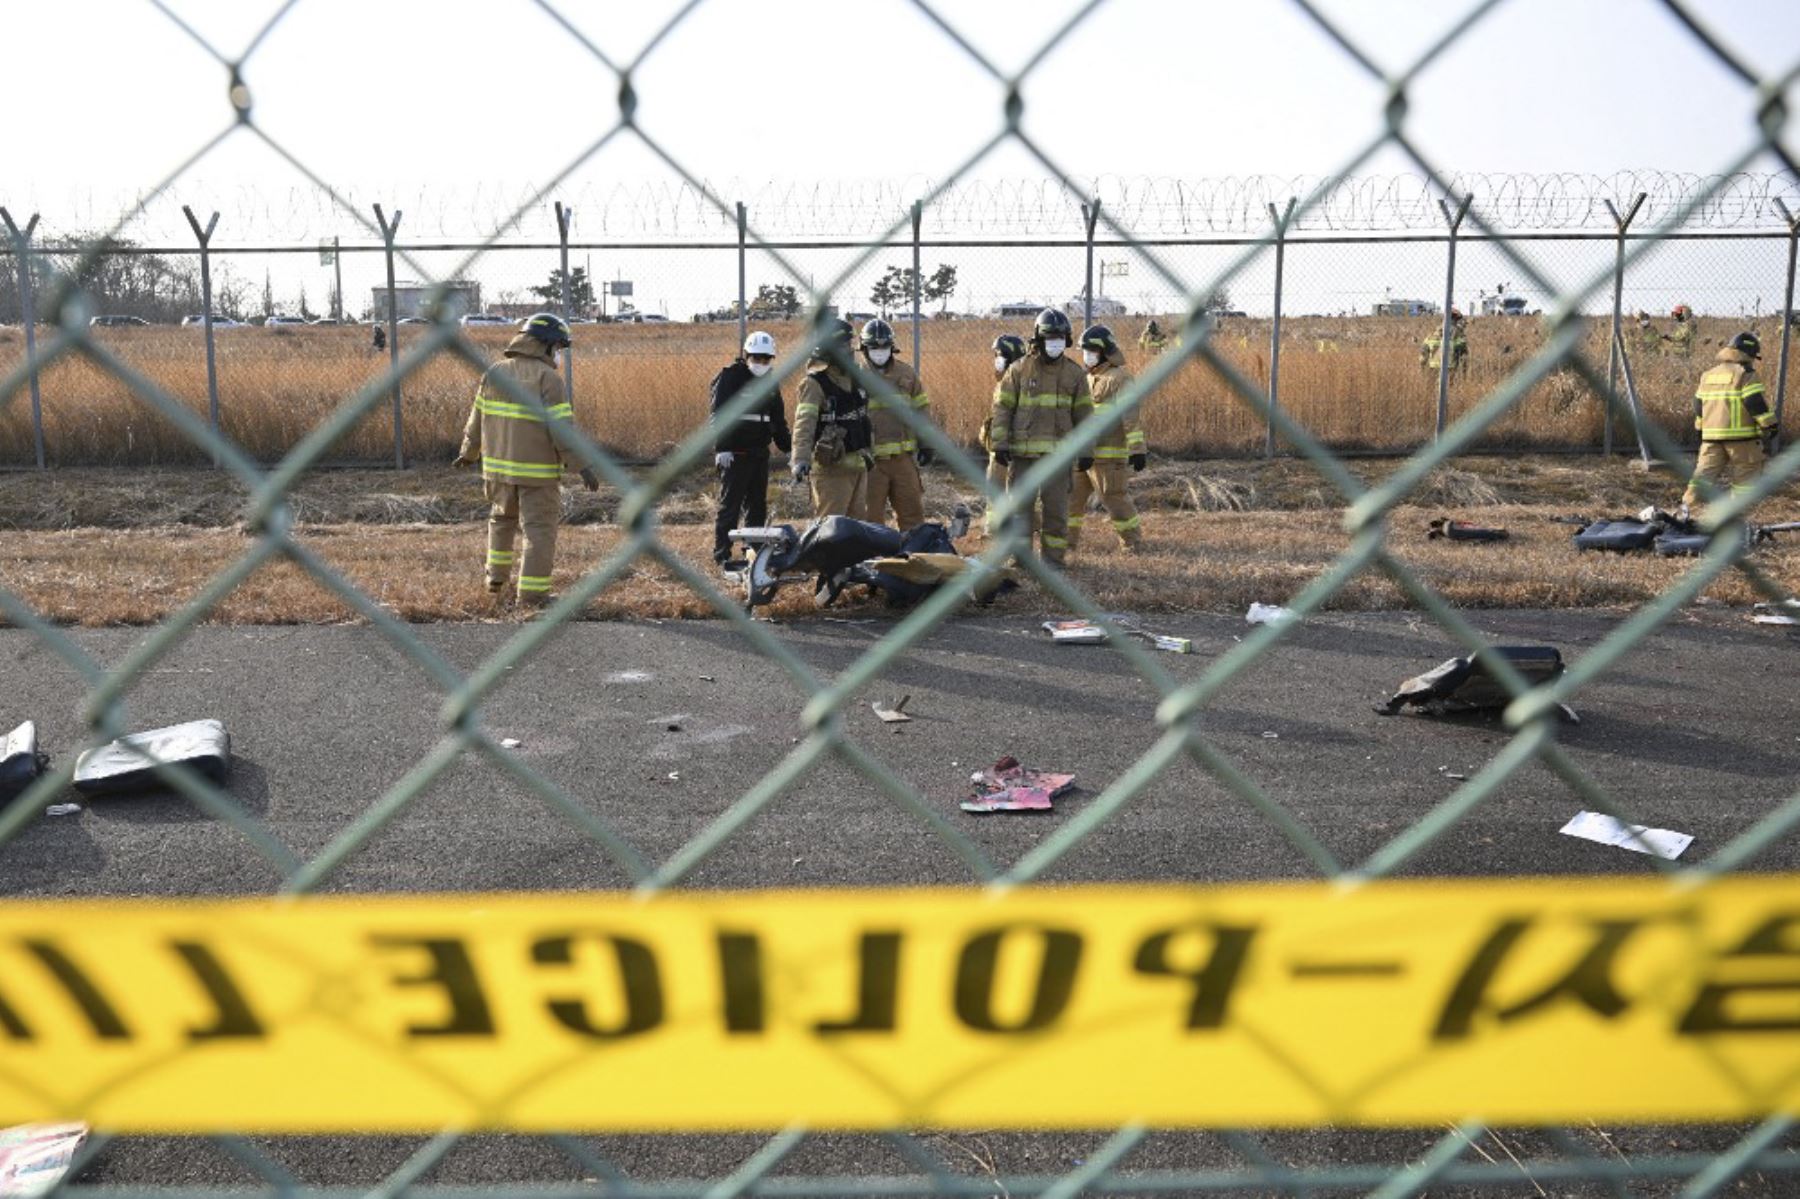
(759, 343)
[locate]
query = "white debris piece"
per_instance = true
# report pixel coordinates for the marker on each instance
(510, 743)
(1268, 614)
(1598, 826)
(62, 809)
(34, 1157)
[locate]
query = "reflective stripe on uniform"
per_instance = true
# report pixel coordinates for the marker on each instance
(801, 410)
(1110, 453)
(1055, 543)
(500, 557)
(534, 583)
(1049, 401)
(1030, 448)
(1126, 526)
(510, 411)
(522, 470)
(891, 449)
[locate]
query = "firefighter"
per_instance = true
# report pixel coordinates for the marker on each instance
(1122, 445)
(1038, 402)
(522, 459)
(1151, 340)
(831, 428)
(1732, 413)
(1648, 339)
(1008, 349)
(1680, 340)
(378, 340)
(742, 447)
(1429, 358)
(894, 480)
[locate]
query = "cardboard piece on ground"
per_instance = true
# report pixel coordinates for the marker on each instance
(894, 714)
(1598, 826)
(1007, 786)
(34, 1157)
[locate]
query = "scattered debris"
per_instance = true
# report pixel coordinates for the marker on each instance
(126, 765)
(1598, 826)
(510, 743)
(1462, 530)
(1006, 786)
(1268, 614)
(1271, 735)
(671, 728)
(893, 714)
(1086, 632)
(1464, 684)
(674, 776)
(62, 809)
(1761, 614)
(34, 1157)
(20, 761)
(707, 678)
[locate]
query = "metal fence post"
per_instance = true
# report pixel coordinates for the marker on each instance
(1615, 343)
(337, 270)
(1090, 214)
(918, 214)
(388, 230)
(563, 217)
(21, 239)
(1787, 311)
(1281, 220)
(743, 304)
(204, 237)
(1443, 399)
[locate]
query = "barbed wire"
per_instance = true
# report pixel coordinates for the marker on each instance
(851, 209)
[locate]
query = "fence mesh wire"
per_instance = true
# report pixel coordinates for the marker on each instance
(1216, 361)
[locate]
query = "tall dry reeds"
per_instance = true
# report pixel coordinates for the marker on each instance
(1355, 383)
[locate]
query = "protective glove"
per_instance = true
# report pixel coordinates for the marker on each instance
(1084, 464)
(462, 460)
(1139, 461)
(926, 455)
(801, 471)
(1003, 457)
(723, 460)
(589, 479)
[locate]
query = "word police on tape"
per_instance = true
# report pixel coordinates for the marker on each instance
(1508, 1000)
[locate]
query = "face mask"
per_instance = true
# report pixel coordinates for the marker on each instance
(880, 356)
(1091, 358)
(759, 369)
(999, 365)
(1054, 346)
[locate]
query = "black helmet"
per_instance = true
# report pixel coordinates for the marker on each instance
(877, 333)
(1051, 323)
(835, 335)
(1009, 346)
(1748, 344)
(548, 328)
(1099, 339)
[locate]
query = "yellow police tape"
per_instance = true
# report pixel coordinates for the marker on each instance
(1535, 1000)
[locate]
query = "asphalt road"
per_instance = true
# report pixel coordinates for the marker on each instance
(659, 727)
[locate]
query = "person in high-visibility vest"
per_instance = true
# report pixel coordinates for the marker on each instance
(522, 459)
(894, 480)
(1731, 410)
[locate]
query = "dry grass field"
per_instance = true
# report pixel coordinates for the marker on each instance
(1354, 382)
(108, 547)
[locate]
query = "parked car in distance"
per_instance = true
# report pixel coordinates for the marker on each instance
(116, 322)
(218, 322)
(285, 320)
(325, 320)
(484, 318)
(412, 320)
(654, 318)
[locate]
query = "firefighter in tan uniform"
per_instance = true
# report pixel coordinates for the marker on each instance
(831, 428)
(1038, 402)
(1119, 447)
(894, 480)
(522, 461)
(1008, 349)
(1731, 410)
(1431, 349)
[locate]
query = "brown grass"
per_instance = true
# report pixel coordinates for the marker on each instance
(1193, 562)
(1354, 382)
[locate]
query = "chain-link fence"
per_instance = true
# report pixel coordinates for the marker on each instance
(1276, 344)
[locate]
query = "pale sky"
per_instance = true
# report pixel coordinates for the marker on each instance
(459, 105)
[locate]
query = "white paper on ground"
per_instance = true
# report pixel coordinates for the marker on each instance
(34, 1157)
(1598, 826)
